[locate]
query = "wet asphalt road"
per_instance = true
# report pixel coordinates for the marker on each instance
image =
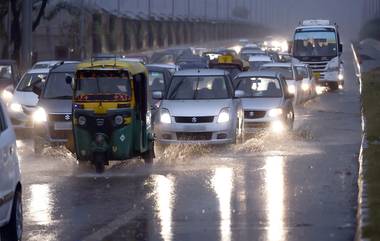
(298, 187)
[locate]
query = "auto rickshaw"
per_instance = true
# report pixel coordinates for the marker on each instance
(111, 112)
(230, 63)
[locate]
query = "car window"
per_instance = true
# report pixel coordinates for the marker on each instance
(156, 81)
(28, 81)
(3, 124)
(257, 87)
(193, 87)
(56, 86)
(5, 72)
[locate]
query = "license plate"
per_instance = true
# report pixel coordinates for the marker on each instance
(197, 128)
(317, 75)
(62, 126)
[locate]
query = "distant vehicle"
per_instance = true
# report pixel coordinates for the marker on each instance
(308, 85)
(170, 56)
(193, 62)
(52, 118)
(250, 47)
(199, 51)
(230, 63)
(266, 101)
(246, 54)
(45, 64)
(24, 101)
(11, 221)
(200, 107)
(318, 44)
(9, 77)
(142, 57)
(285, 57)
(293, 79)
(172, 68)
(256, 61)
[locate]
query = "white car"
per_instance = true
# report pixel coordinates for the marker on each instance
(293, 79)
(256, 61)
(10, 182)
(24, 101)
(200, 107)
(308, 85)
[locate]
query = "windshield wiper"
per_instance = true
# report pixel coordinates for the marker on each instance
(175, 89)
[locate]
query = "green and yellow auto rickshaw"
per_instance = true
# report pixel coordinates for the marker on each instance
(111, 112)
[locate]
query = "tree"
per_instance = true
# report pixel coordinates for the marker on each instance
(39, 7)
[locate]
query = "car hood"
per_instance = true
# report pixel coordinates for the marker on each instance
(56, 106)
(261, 103)
(29, 99)
(195, 107)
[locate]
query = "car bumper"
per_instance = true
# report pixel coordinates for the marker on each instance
(50, 134)
(329, 77)
(208, 133)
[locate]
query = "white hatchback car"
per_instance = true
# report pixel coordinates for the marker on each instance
(308, 85)
(10, 184)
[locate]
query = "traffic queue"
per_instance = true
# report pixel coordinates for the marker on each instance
(112, 107)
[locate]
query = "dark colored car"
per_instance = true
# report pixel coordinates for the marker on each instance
(52, 118)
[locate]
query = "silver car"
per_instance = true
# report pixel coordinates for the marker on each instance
(267, 102)
(200, 107)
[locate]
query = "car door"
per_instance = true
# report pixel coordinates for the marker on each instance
(298, 85)
(7, 172)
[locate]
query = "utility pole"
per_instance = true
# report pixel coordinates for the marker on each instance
(26, 49)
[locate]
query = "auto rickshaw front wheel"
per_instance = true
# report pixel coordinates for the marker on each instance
(99, 162)
(148, 156)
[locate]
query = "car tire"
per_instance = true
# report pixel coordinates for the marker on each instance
(38, 146)
(13, 230)
(241, 136)
(291, 121)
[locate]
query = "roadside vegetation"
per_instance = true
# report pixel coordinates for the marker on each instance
(371, 108)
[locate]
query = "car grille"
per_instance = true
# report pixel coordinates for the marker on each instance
(59, 135)
(195, 119)
(194, 136)
(318, 67)
(253, 114)
(60, 117)
(256, 125)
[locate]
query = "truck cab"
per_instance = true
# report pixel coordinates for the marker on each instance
(317, 43)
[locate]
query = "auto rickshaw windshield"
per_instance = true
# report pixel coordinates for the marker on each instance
(103, 82)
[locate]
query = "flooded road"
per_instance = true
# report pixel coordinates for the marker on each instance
(302, 186)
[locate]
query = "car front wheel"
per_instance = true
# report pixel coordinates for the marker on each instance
(13, 230)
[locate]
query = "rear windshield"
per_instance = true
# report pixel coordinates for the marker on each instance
(259, 87)
(287, 72)
(198, 88)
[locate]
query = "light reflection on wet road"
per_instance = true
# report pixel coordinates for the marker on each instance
(299, 187)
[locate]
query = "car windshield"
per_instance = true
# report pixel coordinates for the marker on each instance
(156, 81)
(56, 86)
(316, 43)
(257, 87)
(5, 72)
(287, 72)
(103, 82)
(200, 88)
(29, 80)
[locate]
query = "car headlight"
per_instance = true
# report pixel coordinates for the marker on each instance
(275, 112)
(15, 107)
(305, 86)
(292, 89)
(165, 116)
(6, 95)
(340, 76)
(224, 115)
(39, 116)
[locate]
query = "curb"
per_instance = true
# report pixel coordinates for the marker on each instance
(362, 209)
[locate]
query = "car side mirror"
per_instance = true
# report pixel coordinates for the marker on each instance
(239, 94)
(157, 95)
(70, 81)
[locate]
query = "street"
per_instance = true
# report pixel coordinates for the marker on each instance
(302, 186)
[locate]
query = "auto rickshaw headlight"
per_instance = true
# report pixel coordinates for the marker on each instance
(118, 120)
(82, 120)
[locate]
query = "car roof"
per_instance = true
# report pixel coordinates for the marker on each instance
(164, 66)
(260, 58)
(268, 74)
(65, 67)
(287, 65)
(201, 72)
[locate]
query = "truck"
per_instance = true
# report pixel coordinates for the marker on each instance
(317, 43)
